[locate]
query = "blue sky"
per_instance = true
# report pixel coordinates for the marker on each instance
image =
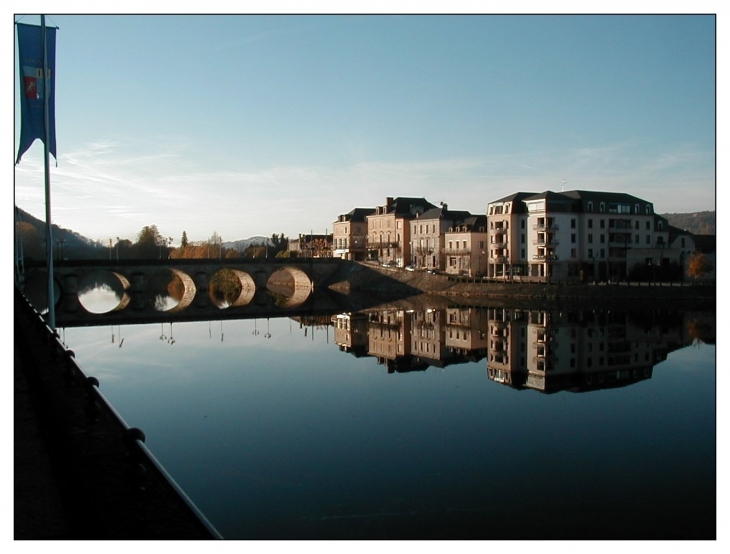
(253, 125)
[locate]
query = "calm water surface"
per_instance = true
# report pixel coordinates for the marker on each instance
(462, 423)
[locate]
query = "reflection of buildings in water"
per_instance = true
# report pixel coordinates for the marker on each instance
(351, 333)
(389, 340)
(465, 332)
(552, 350)
(413, 340)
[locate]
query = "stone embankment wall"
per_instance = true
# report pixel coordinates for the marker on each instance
(373, 278)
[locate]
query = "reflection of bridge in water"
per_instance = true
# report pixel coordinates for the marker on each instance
(264, 288)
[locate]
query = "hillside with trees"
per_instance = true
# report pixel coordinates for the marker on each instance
(30, 238)
(699, 223)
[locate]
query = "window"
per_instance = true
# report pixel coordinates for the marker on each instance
(648, 209)
(522, 253)
(648, 225)
(522, 238)
(603, 239)
(572, 238)
(603, 253)
(636, 239)
(636, 225)
(590, 253)
(682, 242)
(590, 237)
(572, 223)
(636, 208)
(603, 224)
(603, 207)
(573, 253)
(590, 224)
(648, 239)
(590, 206)
(522, 224)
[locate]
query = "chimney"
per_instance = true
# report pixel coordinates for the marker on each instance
(388, 203)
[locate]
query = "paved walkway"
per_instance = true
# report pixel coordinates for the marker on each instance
(75, 477)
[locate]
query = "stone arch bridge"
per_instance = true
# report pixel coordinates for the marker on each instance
(304, 280)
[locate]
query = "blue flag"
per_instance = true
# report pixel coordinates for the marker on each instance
(34, 88)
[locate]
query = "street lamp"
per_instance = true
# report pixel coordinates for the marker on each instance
(59, 248)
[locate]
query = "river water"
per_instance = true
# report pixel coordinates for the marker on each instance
(453, 422)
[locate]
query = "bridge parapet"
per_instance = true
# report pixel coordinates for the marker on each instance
(259, 282)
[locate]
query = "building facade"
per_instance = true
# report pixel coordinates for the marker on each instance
(350, 234)
(428, 233)
(389, 231)
(577, 235)
(465, 247)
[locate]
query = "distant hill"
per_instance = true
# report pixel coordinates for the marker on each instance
(699, 223)
(241, 244)
(68, 244)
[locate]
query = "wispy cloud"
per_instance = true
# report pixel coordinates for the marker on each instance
(117, 187)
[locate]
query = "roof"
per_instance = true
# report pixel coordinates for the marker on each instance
(516, 197)
(441, 213)
(359, 214)
(402, 205)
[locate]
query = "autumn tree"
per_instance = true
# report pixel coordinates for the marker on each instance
(698, 266)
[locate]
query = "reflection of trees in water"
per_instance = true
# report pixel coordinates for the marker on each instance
(102, 280)
(701, 330)
(163, 290)
(224, 287)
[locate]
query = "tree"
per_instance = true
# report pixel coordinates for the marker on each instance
(184, 240)
(149, 235)
(150, 243)
(279, 243)
(698, 266)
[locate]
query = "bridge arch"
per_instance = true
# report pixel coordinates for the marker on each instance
(291, 283)
(189, 291)
(230, 288)
(114, 285)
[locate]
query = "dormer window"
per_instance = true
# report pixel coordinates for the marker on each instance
(648, 209)
(590, 206)
(603, 207)
(636, 209)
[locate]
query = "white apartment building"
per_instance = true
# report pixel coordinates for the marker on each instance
(575, 235)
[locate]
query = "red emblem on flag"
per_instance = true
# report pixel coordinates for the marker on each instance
(30, 86)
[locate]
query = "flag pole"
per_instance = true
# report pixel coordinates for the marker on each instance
(51, 297)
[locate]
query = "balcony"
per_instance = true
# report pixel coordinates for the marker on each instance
(545, 227)
(546, 243)
(619, 225)
(500, 260)
(545, 258)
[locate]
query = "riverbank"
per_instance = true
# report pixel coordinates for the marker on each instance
(77, 475)
(371, 278)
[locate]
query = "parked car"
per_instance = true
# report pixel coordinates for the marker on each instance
(410, 268)
(434, 271)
